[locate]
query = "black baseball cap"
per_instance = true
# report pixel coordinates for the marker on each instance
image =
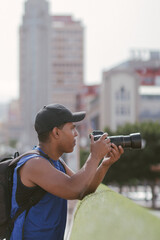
(54, 115)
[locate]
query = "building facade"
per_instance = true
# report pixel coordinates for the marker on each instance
(67, 60)
(51, 63)
(34, 65)
(130, 90)
(149, 107)
(119, 98)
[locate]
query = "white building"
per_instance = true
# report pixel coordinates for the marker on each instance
(119, 98)
(35, 62)
(67, 60)
(149, 107)
(130, 92)
(51, 63)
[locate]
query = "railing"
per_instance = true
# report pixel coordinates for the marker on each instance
(107, 215)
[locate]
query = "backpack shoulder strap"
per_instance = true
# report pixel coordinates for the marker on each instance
(63, 163)
(15, 160)
(34, 151)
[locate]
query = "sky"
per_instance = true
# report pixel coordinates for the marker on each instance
(112, 29)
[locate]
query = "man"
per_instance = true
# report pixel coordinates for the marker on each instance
(55, 126)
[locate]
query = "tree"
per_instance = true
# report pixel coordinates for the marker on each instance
(83, 156)
(136, 164)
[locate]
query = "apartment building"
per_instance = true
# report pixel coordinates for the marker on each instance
(67, 60)
(34, 63)
(130, 90)
(119, 98)
(51, 63)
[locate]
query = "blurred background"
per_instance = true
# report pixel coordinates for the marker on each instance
(102, 57)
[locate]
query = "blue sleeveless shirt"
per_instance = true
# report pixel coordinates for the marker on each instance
(44, 221)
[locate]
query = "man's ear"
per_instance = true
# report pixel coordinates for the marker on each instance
(55, 132)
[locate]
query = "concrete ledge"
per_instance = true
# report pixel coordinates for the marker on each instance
(108, 215)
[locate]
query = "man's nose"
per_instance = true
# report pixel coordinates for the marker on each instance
(76, 133)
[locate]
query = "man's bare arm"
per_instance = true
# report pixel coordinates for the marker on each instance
(101, 171)
(37, 171)
(107, 162)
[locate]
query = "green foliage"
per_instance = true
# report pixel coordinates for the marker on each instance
(109, 131)
(13, 143)
(135, 164)
(83, 156)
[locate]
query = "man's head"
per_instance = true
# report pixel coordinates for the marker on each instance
(55, 115)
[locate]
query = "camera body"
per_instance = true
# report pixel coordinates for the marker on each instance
(132, 141)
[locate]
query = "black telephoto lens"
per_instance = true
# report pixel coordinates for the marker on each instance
(132, 140)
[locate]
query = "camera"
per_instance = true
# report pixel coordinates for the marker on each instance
(132, 141)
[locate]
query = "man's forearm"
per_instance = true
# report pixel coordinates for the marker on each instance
(101, 171)
(98, 178)
(84, 177)
(90, 176)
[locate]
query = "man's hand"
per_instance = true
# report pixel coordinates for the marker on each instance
(113, 155)
(101, 147)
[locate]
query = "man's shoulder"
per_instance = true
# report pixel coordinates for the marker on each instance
(34, 161)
